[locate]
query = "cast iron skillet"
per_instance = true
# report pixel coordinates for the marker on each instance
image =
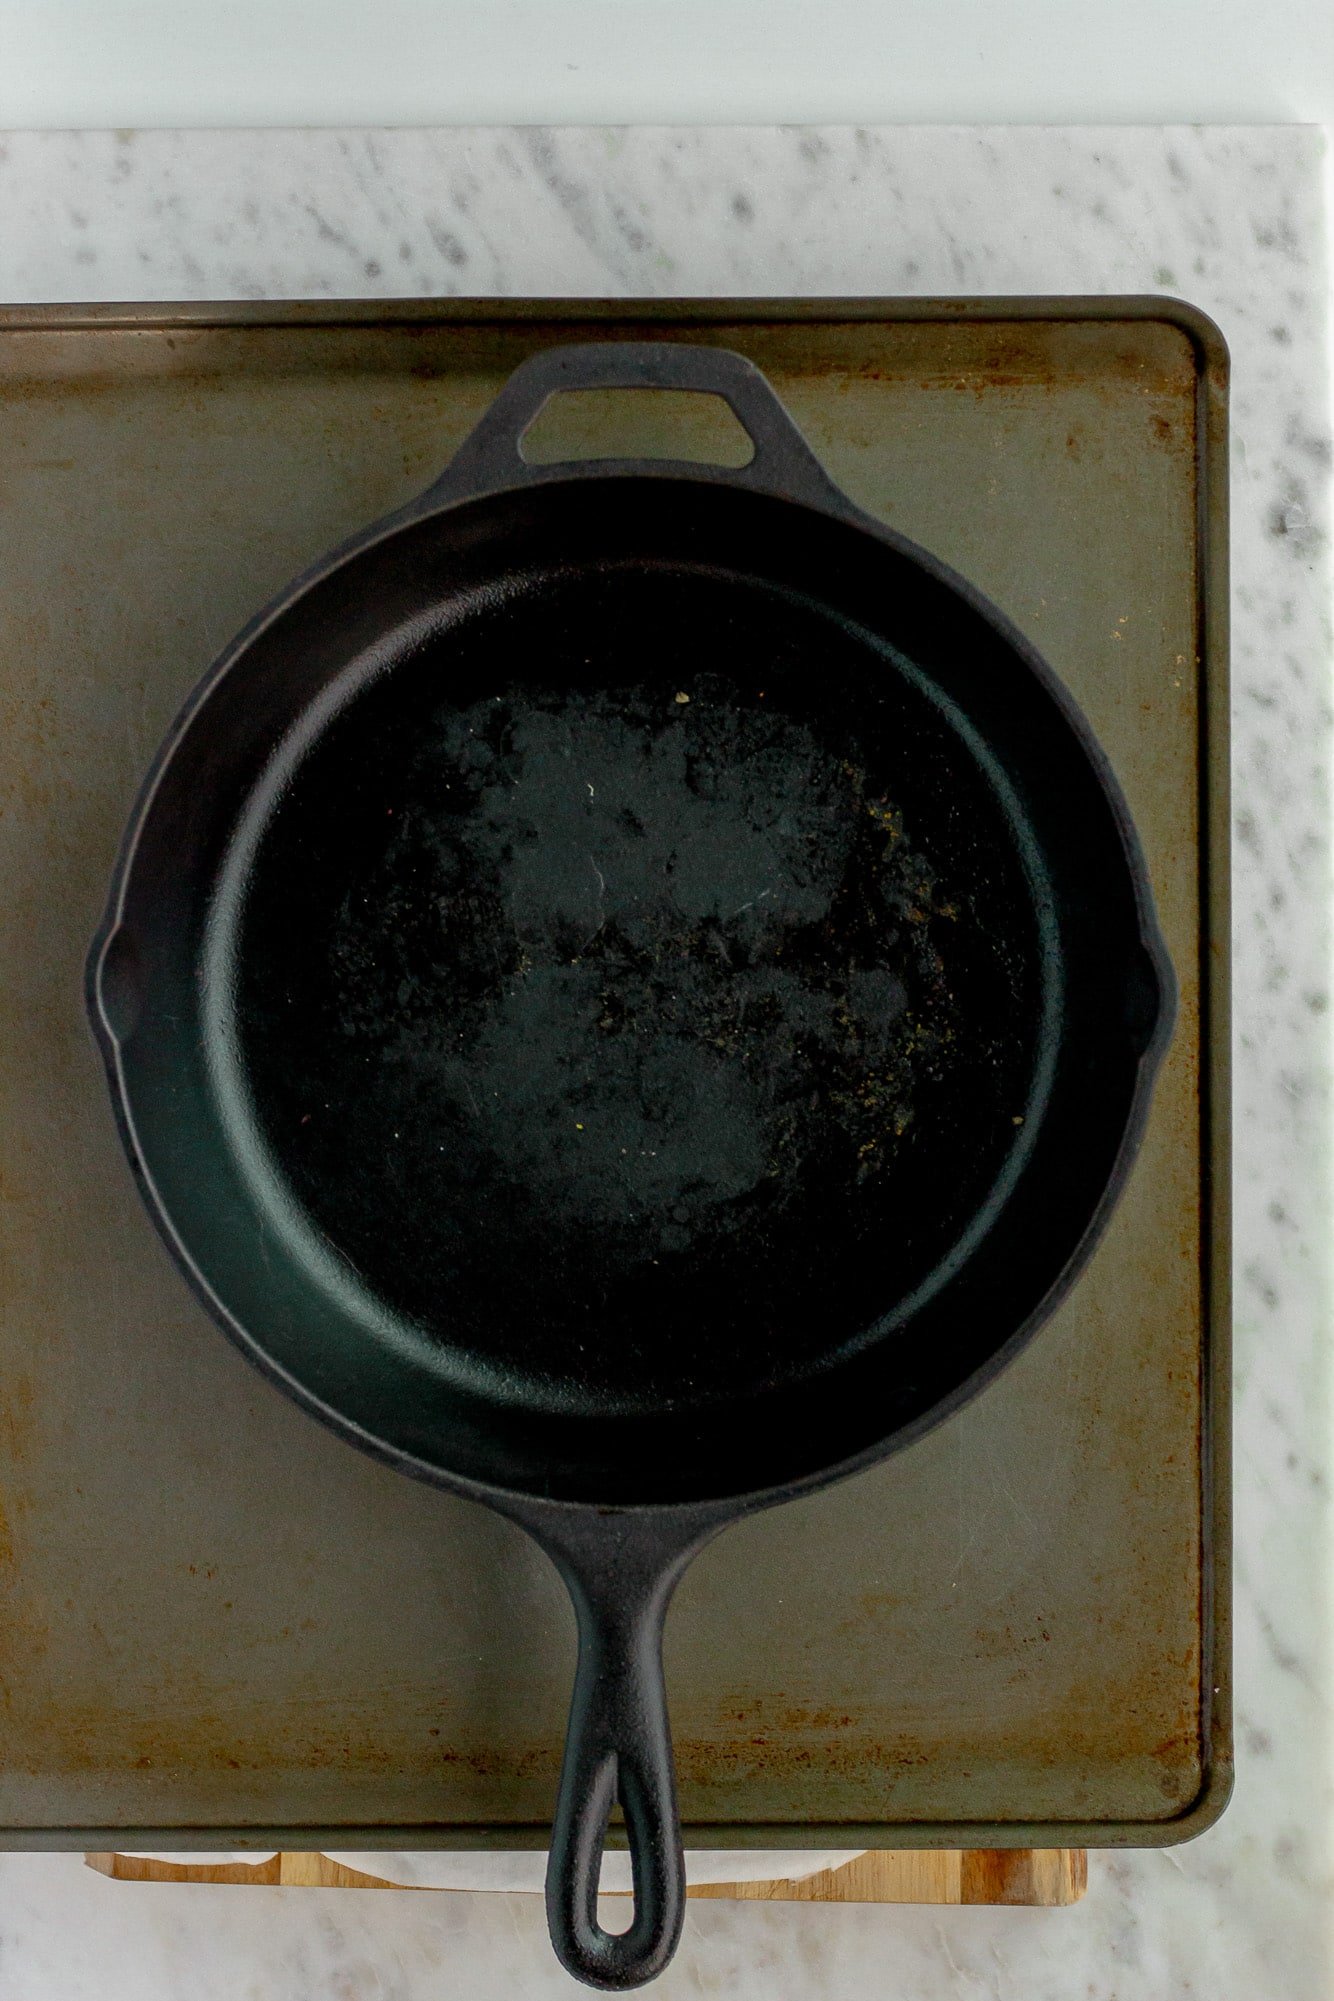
(630, 991)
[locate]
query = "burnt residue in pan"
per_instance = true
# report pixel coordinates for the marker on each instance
(677, 930)
(616, 978)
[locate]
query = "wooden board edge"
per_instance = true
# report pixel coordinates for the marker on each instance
(1045, 1878)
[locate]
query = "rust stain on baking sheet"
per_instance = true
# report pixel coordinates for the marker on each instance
(886, 1766)
(1054, 356)
(314, 1735)
(16, 1418)
(770, 1735)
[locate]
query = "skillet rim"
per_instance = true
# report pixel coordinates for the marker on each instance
(524, 1503)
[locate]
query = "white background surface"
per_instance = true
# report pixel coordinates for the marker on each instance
(1153, 1925)
(371, 62)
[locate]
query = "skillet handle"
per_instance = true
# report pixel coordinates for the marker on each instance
(490, 456)
(620, 1573)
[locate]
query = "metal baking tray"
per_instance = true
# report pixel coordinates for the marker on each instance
(218, 1624)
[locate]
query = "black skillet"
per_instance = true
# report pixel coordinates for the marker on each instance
(630, 991)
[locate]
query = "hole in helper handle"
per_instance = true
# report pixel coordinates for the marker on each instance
(489, 457)
(620, 1571)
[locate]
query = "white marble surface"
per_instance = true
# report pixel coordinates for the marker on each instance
(1229, 218)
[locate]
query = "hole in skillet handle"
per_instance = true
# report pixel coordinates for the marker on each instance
(685, 425)
(600, 1958)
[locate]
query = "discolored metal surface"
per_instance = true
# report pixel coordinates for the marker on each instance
(218, 1617)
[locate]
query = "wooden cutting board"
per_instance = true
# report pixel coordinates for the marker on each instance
(1035, 1876)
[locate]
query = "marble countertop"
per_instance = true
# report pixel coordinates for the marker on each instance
(1231, 219)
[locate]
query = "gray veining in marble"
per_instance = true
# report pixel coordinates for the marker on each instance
(1231, 219)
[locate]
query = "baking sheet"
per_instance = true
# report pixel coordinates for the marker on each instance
(219, 1621)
